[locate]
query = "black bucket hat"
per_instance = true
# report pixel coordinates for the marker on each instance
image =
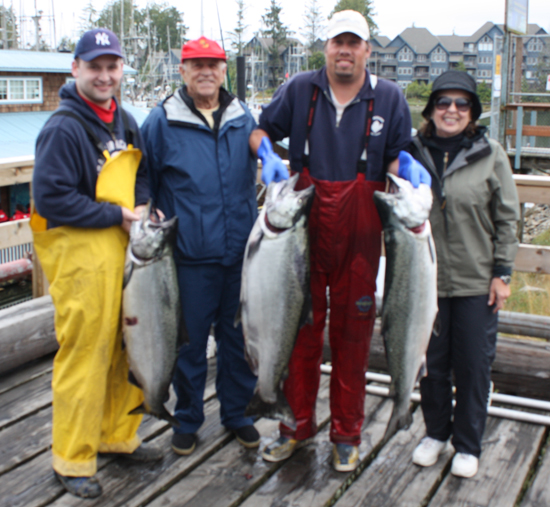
(454, 80)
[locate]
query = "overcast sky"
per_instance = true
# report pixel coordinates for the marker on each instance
(392, 16)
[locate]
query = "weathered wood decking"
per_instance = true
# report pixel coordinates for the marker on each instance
(514, 469)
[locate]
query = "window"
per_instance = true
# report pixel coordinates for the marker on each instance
(438, 55)
(529, 74)
(436, 72)
(483, 73)
(389, 57)
(403, 84)
(421, 58)
(485, 59)
(532, 61)
(21, 90)
(405, 55)
(469, 48)
(535, 45)
(405, 71)
(485, 44)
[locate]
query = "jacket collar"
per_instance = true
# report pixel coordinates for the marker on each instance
(180, 108)
(472, 149)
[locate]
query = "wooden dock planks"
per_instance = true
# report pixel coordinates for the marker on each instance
(509, 450)
(514, 467)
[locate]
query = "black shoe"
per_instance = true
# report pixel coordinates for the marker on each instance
(184, 443)
(248, 436)
(145, 453)
(83, 487)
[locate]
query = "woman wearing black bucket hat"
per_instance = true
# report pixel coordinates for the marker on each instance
(473, 221)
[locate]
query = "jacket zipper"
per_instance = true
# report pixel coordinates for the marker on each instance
(443, 196)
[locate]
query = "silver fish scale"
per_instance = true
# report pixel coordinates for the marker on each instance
(271, 317)
(152, 297)
(409, 307)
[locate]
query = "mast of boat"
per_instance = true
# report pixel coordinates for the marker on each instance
(122, 24)
(53, 21)
(4, 27)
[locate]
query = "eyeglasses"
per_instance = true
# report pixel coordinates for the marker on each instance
(444, 103)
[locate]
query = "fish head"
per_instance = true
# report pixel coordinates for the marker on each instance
(408, 205)
(150, 235)
(285, 205)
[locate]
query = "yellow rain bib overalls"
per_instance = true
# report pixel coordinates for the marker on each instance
(85, 266)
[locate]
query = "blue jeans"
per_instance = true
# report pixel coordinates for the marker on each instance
(210, 295)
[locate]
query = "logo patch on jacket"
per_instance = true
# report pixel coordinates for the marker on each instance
(364, 304)
(377, 125)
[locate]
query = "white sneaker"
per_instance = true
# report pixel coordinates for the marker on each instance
(427, 451)
(464, 465)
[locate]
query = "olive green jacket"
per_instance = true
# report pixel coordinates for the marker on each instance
(474, 216)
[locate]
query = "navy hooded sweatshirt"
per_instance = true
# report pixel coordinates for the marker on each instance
(67, 164)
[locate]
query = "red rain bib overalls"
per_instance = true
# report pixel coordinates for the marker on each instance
(345, 235)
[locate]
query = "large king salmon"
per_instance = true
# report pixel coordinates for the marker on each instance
(410, 296)
(152, 325)
(275, 296)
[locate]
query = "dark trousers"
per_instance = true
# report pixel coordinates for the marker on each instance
(465, 346)
(210, 294)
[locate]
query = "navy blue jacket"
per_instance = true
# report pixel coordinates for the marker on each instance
(67, 164)
(336, 149)
(206, 177)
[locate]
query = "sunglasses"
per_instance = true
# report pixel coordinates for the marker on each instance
(444, 103)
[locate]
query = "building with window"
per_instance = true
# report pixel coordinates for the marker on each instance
(418, 55)
(29, 93)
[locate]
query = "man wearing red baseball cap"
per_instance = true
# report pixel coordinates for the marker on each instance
(203, 171)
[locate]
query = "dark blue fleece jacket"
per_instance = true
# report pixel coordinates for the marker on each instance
(67, 164)
(336, 149)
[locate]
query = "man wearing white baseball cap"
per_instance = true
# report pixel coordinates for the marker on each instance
(346, 130)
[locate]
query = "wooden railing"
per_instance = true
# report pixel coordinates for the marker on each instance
(530, 258)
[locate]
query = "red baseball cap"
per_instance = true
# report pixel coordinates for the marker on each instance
(202, 48)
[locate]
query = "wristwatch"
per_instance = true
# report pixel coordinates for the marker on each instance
(506, 279)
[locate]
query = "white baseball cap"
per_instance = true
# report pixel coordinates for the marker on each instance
(348, 21)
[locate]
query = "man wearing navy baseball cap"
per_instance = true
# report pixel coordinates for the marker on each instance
(89, 185)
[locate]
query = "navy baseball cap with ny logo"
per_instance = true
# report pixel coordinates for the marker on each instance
(97, 42)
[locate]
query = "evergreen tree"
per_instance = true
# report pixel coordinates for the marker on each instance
(314, 23)
(236, 35)
(278, 33)
(88, 20)
(363, 6)
(8, 28)
(166, 19)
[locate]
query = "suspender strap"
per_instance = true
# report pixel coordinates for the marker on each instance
(311, 114)
(91, 134)
(362, 163)
(129, 133)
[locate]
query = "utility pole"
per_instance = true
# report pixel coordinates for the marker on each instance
(122, 24)
(4, 27)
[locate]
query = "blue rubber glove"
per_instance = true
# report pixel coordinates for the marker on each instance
(273, 168)
(412, 170)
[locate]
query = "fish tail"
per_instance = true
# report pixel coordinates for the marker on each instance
(399, 419)
(162, 414)
(279, 410)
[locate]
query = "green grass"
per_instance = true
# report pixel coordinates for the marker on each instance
(530, 301)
